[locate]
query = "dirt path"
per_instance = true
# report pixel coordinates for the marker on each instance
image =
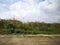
(29, 39)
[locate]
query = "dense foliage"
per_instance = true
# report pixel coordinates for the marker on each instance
(18, 27)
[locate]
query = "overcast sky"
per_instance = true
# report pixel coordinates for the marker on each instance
(31, 10)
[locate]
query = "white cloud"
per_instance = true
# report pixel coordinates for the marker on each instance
(2, 6)
(28, 11)
(23, 9)
(31, 11)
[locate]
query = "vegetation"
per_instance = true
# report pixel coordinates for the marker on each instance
(18, 27)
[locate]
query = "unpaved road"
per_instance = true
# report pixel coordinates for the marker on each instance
(29, 39)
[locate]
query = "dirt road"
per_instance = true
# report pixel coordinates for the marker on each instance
(29, 39)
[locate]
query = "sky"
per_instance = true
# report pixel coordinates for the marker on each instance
(31, 10)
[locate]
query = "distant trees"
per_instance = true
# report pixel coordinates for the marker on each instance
(11, 28)
(18, 27)
(2, 23)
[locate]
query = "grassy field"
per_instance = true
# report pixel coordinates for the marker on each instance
(40, 39)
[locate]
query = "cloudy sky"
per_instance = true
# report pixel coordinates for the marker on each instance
(31, 10)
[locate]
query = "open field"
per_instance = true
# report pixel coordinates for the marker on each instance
(30, 39)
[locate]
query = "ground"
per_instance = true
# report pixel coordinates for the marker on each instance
(30, 39)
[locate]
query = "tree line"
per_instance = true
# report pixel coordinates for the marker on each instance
(18, 27)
